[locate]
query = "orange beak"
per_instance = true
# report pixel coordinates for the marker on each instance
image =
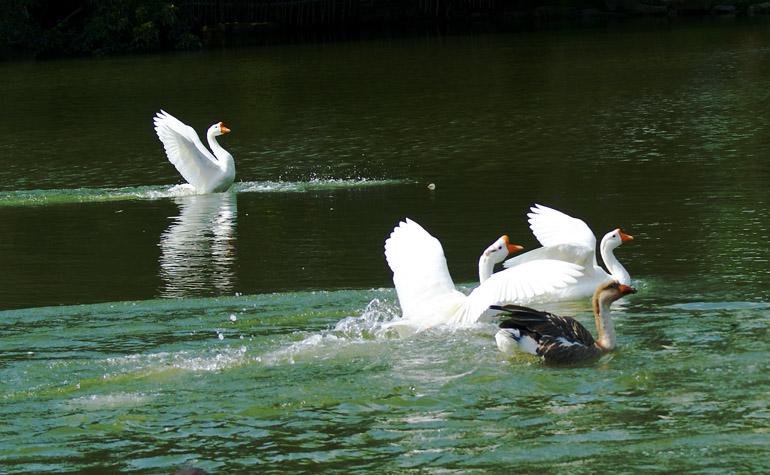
(625, 290)
(223, 128)
(624, 237)
(511, 247)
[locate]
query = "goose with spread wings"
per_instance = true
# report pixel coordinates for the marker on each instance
(569, 239)
(427, 294)
(204, 171)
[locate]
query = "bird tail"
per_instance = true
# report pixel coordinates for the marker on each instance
(511, 309)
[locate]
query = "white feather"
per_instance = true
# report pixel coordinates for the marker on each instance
(552, 227)
(526, 284)
(420, 271)
(509, 340)
(506, 339)
(567, 343)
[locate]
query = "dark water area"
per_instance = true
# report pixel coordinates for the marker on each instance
(144, 329)
(657, 130)
(594, 121)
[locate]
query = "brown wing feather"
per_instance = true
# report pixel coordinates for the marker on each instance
(560, 339)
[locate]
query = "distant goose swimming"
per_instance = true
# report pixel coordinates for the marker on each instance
(207, 173)
(570, 239)
(428, 296)
(560, 340)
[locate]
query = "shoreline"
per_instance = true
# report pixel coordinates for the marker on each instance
(194, 27)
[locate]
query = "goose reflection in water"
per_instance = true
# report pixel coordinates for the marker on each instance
(198, 248)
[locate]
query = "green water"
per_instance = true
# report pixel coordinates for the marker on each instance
(142, 329)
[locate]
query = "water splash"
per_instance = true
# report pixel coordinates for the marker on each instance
(220, 358)
(97, 195)
(371, 323)
(350, 336)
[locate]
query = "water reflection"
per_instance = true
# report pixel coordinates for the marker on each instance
(198, 248)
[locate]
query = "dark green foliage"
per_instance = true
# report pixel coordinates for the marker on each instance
(82, 27)
(105, 27)
(16, 26)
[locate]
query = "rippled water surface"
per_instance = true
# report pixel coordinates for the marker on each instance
(143, 329)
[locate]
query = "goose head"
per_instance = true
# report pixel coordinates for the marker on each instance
(615, 238)
(500, 249)
(495, 254)
(609, 292)
(218, 129)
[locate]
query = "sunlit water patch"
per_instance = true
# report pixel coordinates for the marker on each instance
(315, 381)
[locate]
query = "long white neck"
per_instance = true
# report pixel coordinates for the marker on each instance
(604, 324)
(486, 267)
(223, 156)
(617, 271)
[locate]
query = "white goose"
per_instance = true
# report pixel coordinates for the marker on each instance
(207, 173)
(428, 296)
(570, 239)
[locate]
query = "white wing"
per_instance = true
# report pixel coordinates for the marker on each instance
(528, 283)
(419, 267)
(577, 254)
(184, 149)
(552, 227)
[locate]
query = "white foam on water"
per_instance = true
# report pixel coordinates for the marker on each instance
(346, 338)
(89, 195)
(109, 401)
(213, 360)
